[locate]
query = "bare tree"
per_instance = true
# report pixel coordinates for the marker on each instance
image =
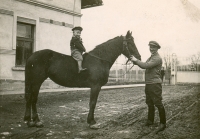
(167, 57)
(195, 60)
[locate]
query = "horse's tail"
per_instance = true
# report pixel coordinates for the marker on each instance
(33, 74)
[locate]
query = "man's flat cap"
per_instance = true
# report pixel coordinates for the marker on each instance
(154, 43)
(77, 28)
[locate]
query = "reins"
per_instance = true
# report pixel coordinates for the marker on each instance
(124, 73)
(111, 63)
(125, 47)
(99, 58)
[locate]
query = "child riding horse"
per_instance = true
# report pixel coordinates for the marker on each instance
(77, 47)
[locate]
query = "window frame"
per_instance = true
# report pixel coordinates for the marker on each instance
(31, 40)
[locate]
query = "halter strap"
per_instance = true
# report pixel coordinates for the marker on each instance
(125, 45)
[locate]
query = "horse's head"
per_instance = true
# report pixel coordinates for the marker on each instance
(129, 47)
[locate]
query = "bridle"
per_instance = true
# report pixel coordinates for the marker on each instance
(125, 47)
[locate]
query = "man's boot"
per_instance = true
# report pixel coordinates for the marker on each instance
(162, 116)
(151, 114)
(80, 67)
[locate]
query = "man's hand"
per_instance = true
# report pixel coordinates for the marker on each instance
(133, 59)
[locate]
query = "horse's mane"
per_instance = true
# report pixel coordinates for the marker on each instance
(109, 47)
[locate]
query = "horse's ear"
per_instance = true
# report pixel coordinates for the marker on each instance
(127, 34)
(131, 33)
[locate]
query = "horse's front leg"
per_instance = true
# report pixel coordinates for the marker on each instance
(94, 93)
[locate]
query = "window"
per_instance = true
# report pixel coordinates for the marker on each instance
(25, 41)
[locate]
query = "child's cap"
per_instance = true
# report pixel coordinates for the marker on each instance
(77, 28)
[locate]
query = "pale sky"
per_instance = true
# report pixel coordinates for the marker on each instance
(169, 22)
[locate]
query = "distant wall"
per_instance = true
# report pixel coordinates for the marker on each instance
(52, 21)
(188, 77)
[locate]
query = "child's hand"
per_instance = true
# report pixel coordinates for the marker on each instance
(80, 40)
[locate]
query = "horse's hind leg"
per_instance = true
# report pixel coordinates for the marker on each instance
(32, 86)
(31, 100)
(34, 98)
(27, 117)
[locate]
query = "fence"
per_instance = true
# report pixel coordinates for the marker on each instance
(187, 70)
(126, 73)
(187, 64)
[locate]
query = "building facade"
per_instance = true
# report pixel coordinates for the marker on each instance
(27, 26)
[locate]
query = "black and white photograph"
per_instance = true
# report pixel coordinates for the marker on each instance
(99, 69)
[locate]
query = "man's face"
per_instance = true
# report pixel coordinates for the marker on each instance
(153, 49)
(77, 33)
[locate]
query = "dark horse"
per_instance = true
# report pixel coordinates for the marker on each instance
(63, 70)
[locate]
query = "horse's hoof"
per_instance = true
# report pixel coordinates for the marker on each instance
(30, 124)
(39, 124)
(92, 122)
(95, 126)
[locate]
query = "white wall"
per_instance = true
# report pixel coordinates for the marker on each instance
(6, 24)
(188, 77)
(56, 38)
(65, 4)
(47, 35)
(6, 64)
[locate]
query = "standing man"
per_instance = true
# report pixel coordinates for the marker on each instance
(153, 87)
(77, 47)
(162, 73)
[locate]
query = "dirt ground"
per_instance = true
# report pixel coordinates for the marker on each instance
(121, 114)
